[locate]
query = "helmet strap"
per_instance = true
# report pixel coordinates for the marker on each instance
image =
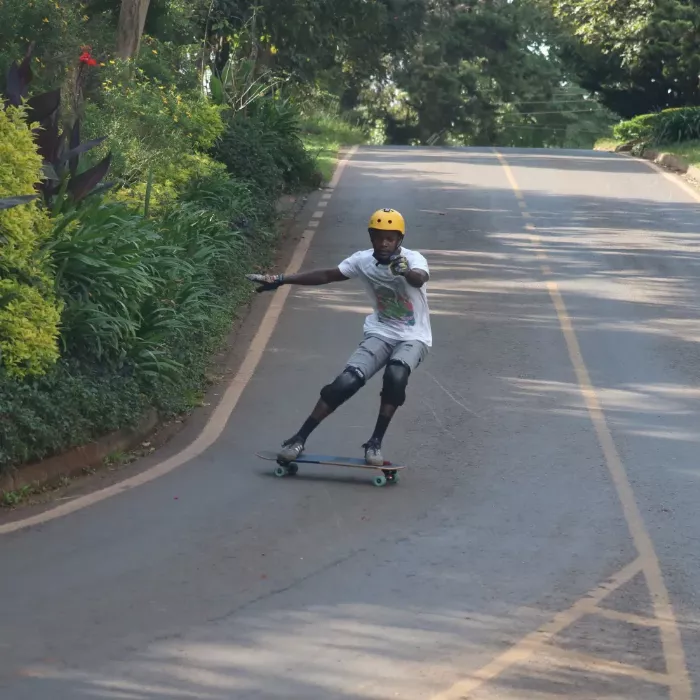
(383, 261)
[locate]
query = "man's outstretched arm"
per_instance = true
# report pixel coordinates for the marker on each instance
(312, 278)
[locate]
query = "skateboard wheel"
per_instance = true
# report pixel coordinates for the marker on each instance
(292, 468)
(380, 480)
(392, 476)
(281, 471)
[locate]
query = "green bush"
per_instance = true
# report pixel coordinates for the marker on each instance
(680, 124)
(29, 313)
(281, 123)
(234, 200)
(135, 289)
(264, 147)
(102, 273)
(151, 127)
(58, 28)
(147, 304)
(172, 63)
(638, 128)
(668, 126)
(323, 134)
(71, 405)
(244, 151)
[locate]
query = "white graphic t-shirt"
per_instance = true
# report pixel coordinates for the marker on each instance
(400, 310)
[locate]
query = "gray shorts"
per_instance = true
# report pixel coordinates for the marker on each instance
(374, 353)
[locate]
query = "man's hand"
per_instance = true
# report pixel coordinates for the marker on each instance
(268, 283)
(399, 266)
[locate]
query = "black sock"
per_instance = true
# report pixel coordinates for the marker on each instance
(380, 428)
(309, 426)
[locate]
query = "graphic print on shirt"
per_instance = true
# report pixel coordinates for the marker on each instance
(394, 307)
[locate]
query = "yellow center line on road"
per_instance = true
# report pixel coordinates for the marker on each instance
(219, 418)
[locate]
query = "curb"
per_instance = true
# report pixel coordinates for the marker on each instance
(77, 460)
(669, 161)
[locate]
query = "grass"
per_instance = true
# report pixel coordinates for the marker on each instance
(29, 492)
(10, 499)
(323, 137)
(688, 150)
(607, 144)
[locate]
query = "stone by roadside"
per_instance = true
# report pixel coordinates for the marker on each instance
(669, 161)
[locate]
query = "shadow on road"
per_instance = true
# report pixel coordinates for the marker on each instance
(360, 650)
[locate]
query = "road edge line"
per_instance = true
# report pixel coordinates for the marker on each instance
(674, 177)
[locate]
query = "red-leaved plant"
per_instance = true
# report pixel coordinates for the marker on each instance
(61, 151)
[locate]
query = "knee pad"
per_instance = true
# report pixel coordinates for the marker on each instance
(345, 385)
(396, 377)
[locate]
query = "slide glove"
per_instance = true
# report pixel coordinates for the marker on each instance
(399, 266)
(268, 283)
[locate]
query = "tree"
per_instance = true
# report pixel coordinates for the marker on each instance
(341, 41)
(475, 71)
(432, 71)
(569, 118)
(638, 55)
(132, 19)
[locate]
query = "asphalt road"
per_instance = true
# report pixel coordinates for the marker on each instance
(545, 539)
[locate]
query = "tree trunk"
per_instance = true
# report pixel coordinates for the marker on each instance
(132, 19)
(254, 43)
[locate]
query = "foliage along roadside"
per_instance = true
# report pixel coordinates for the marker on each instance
(181, 299)
(637, 57)
(675, 131)
(669, 126)
(147, 300)
(60, 183)
(29, 310)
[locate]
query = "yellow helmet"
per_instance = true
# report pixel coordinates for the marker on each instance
(387, 220)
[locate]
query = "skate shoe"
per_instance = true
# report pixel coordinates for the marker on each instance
(373, 453)
(291, 449)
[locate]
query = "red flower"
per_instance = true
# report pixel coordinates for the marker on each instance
(87, 59)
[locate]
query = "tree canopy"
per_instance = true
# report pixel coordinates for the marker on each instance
(427, 71)
(638, 55)
(535, 72)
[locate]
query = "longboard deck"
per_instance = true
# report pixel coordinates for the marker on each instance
(387, 472)
(333, 461)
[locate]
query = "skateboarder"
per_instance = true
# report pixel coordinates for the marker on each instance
(397, 336)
